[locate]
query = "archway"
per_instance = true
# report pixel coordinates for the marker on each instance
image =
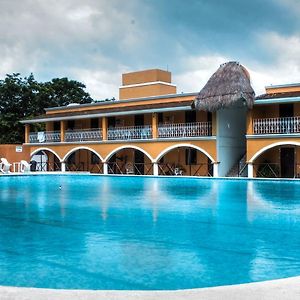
(83, 159)
(130, 160)
(45, 160)
(278, 160)
(185, 159)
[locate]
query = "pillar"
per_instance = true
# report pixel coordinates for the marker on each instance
(27, 133)
(216, 169)
(250, 170)
(105, 168)
(155, 169)
(104, 128)
(154, 126)
(63, 166)
(62, 130)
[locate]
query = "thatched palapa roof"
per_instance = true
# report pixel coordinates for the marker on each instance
(229, 84)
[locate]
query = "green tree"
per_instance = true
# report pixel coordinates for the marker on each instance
(22, 98)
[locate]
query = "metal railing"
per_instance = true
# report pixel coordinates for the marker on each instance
(44, 137)
(130, 168)
(267, 170)
(184, 130)
(276, 125)
(170, 169)
(84, 167)
(83, 135)
(45, 167)
(129, 133)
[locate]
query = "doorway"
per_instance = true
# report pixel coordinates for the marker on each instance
(287, 162)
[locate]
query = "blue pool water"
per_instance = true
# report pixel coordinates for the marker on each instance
(146, 233)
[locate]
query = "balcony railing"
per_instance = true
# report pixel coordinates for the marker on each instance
(83, 135)
(177, 130)
(130, 133)
(276, 125)
(44, 137)
(184, 130)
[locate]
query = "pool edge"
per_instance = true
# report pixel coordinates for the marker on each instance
(283, 289)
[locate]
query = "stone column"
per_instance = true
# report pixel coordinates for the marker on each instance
(250, 170)
(154, 126)
(62, 130)
(104, 128)
(155, 169)
(105, 168)
(27, 133)
(216, 169)
(63, 166)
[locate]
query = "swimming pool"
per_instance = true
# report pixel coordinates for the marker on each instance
(144, 233)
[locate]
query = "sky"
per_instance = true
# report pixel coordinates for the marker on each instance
(95, 41)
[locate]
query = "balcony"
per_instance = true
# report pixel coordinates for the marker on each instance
(44, 137)
(276, 125)
(181, 130)
(164, 131)
(130, 133)
(83, 135)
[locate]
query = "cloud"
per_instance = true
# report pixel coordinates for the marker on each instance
(95, 41)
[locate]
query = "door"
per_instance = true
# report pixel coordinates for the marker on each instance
(190, 116)
(139, 120)
(287, 162)
(286, 110)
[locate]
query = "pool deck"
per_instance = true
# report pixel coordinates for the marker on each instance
(281, 289)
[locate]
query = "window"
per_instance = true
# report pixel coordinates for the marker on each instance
(190, 156)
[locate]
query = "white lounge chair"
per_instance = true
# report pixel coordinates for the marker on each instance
(5, 166)
(25, 166)
(129, 168)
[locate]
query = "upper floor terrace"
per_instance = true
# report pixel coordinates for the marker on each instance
(276, 113)
(177, 124)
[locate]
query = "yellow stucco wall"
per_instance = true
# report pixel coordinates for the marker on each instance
(146, 91)
(146, 76)
(284, 89)
(256, 144)
(153, 148)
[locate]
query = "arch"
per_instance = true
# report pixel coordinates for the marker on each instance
(45, 149)
(261, 151)
(165, 151)
(127, 147)
(81, 148)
